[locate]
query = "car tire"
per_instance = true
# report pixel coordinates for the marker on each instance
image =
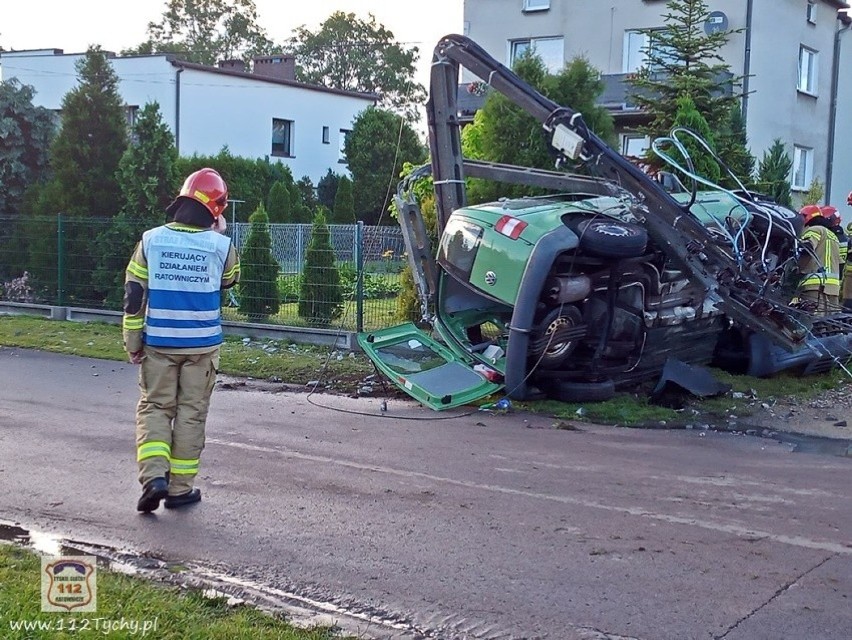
(574, 391)
(546, 350)
(612, 239)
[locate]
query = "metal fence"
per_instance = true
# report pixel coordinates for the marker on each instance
(347, 279)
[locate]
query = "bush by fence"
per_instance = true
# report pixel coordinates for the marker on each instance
(55, 260)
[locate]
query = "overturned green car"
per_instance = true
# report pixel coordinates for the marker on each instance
(595, 287)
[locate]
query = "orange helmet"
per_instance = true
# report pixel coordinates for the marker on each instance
(809, 212)
(207, 187)
(830, 214)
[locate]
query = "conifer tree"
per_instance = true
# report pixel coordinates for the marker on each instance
(84, 159)
(683, 60)
(321, 296)
(259, 297)
(278, 203)
(773, 176)
(732, 148)
(147, 173)
(327, 189)
(703, 164)
(344, 203)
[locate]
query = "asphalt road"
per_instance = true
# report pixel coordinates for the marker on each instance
(473, 527)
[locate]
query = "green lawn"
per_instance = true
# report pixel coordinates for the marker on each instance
(161, 612)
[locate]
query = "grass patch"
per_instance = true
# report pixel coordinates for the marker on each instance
(180, 614)
(261, 359)
(298, 364)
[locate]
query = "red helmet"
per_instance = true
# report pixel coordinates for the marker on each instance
(830, 214)
(207, 187)
(809, 212)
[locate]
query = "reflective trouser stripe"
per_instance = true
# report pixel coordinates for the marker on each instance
(133, 324)
(151, 449)
(184, 467)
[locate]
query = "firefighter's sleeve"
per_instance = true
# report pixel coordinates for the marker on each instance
(231, 274)
(135, 300)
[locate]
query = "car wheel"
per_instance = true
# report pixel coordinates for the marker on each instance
(612, 239)
(552, 341)
(573, 391)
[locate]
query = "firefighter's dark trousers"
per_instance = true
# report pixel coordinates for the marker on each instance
(171, 415)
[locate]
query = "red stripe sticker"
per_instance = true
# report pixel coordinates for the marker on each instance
(510, 227)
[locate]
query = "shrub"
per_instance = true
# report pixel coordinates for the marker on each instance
(259, 280)
(321, 297)
(18, 289)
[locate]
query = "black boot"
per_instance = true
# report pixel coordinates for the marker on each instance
(153, 491)
(190, 497)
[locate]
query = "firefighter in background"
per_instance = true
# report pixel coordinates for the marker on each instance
(172, 329)
(836, 225)
(819, 261)
(846, 288)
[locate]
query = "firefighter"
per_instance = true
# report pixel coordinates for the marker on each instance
(819, 261)
(846, 289)
(172, 330)
(836, 225)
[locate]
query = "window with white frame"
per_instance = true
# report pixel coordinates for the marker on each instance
(812, 11)
(341, 150)
(550, 50)
(536, 5)
(638, 47)
(803, 168)
(634, 144)
(282, 138)
(807, 70)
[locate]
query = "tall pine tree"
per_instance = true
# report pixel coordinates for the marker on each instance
(84, 158)
(683, 60)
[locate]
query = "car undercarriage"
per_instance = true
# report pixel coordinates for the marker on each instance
(596, 285)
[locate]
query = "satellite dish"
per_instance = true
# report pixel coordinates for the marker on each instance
(716, 22)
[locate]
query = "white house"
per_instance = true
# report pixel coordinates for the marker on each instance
(791, 53)
(254, 113)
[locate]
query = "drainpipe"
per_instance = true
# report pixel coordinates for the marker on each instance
(832, 117)
(747, 60)
(177, 109)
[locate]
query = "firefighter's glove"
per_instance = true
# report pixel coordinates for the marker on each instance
(136, 357)
(219, 224)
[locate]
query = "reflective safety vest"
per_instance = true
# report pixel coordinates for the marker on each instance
(824, 274)
(184, 280)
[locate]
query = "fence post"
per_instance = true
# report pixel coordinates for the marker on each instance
(60, 261)
(359, 280)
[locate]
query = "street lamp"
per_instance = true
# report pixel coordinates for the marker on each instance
(234, 233)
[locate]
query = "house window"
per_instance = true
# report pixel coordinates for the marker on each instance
(807, 70)
(803, 168)
(634, 145)
(812, 11)
(326, 135)
(131, 114)
(282, 138)
(536, 5)
(550, 50)
(341, 152)
(638, 46)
